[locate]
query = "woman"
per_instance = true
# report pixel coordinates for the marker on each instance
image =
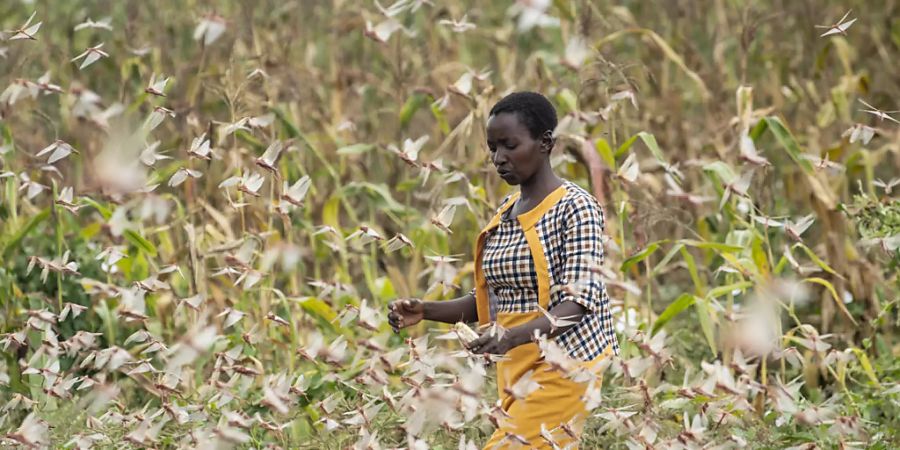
(545, 235)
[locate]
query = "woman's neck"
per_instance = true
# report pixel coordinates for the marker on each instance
(540, 185)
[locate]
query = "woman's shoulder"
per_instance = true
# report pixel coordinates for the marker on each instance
(578, 198)
(579, 206)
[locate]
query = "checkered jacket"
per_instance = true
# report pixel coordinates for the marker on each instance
(570, 233)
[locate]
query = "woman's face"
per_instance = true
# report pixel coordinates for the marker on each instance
(515, 154)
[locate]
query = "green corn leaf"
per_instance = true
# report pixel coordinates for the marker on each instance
(757, 131)
(834, 295)
(331, 212)
(441, 119)
(705, 315)
(866, 365)
(14, 239)
(665, 261)
(722, 170)
(786, 139)
(140, 242)
(722, 290)
(639, 256)
(606, 153)
(567, 100)
(684, 301)
(721, 247)
(699, 286)
(355, 149)
(815, 258)
(317, 308)
(626, 145)
(104, 211)
(653, 146)
(248, 138)
(292, 129)
(759, 256)
(780, 266)
(378, 189)
(413, 104)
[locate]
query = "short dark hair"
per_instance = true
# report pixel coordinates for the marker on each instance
(533, 109)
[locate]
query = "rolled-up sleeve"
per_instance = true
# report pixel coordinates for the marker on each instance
(582, 253)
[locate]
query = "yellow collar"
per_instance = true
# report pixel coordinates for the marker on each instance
(531, 217)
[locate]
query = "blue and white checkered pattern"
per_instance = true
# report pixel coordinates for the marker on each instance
(570, 233)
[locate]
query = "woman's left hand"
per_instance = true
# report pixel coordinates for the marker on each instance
(495, 344)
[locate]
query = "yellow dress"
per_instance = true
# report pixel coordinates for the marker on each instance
(558, 401)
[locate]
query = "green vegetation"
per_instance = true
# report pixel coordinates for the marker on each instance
(203, 219)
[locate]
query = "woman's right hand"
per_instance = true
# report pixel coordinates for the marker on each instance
(405, 312)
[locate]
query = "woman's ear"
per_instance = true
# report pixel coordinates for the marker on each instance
(547, 141)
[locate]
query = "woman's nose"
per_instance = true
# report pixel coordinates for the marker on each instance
(498, 157)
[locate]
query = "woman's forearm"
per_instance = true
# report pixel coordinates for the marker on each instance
(451, 311)
(524, 333)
